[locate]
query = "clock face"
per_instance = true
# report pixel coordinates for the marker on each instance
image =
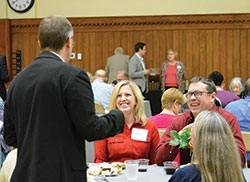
(20, 6)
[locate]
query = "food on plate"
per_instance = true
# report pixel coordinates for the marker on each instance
(104, 169)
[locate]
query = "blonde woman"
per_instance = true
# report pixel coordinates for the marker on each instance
(173, 72)
(140, 137)
(215, 155)
(172, 101)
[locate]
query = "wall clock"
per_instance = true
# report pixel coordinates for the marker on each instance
(20, 6)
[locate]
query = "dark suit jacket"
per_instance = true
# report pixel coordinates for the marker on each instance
(49, 112)
(4, 76)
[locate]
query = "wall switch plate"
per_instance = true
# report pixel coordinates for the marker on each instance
(79, 56)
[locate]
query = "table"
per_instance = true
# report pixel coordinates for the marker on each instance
(157, 173)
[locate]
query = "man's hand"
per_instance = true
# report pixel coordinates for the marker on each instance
(146, 71)
(188, 126)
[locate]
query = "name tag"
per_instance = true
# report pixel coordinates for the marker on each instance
(139, 134)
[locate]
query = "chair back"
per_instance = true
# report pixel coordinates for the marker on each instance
(147, 108)
(246, 139)
(99, 109)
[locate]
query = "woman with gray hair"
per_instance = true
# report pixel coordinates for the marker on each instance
(237, 86)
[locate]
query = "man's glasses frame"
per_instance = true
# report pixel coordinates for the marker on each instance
(197, 94)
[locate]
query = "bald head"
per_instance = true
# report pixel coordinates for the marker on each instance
(100, 74)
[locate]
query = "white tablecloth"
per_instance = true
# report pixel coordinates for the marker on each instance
(156, 174)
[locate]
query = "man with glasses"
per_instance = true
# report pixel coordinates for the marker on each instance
(201, 96)
(49, 112)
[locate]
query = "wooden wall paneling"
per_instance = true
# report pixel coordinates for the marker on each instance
(223, 55)
(78, 48)
(203, 70)
(176, 40)
(189, 53)
(204, 42)
(209, 52)
(105, 48)
(230, 55)
(111, 43)
(150, 46)
(182, 48)
(99, 62)
(169, 40)
(216, 50)
(130, 43)
(195, 52)
(162, 49)
(236, 53)
(86, 52)
(117, 37)
(248, 55)
(243, 54)
(124, 40)
(92, 52)
(155, 49)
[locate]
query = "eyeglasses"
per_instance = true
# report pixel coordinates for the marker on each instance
(196, 94)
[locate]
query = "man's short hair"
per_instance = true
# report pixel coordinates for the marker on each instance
(54, 32)
(139, 45)
(118, 50)
(217, 78)
(247, 87)
(210, 84)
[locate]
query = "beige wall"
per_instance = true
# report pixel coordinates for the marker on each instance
(95, 8)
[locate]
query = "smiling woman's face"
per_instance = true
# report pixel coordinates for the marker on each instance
(236, 88)
(126, 100)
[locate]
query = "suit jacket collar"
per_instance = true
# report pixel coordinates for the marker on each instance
(48, 55)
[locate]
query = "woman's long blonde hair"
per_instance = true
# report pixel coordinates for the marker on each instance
(215, 149)
(139, 108)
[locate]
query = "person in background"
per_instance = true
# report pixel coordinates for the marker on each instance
(116, 63)
(140, 136)
(120, 76)
(237, 86)
(172, 101)
(201, 96)
(4, 76)
(173, 72)
(102, 91)
(49, 119)
(215, 154)
(137, 69)
(241, 109)
(224, 95)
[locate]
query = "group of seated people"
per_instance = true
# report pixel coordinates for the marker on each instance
(216, 133)
(218, 149)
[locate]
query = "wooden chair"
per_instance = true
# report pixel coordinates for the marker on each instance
(246, 139)
(99, 109)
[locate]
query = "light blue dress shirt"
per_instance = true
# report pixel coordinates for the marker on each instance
(102, 92)
(241, 109)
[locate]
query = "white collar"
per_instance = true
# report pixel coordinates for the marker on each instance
(57, 55)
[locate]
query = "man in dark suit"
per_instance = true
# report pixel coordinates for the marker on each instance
(4, 76)
(137, 69)
(49, 112)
